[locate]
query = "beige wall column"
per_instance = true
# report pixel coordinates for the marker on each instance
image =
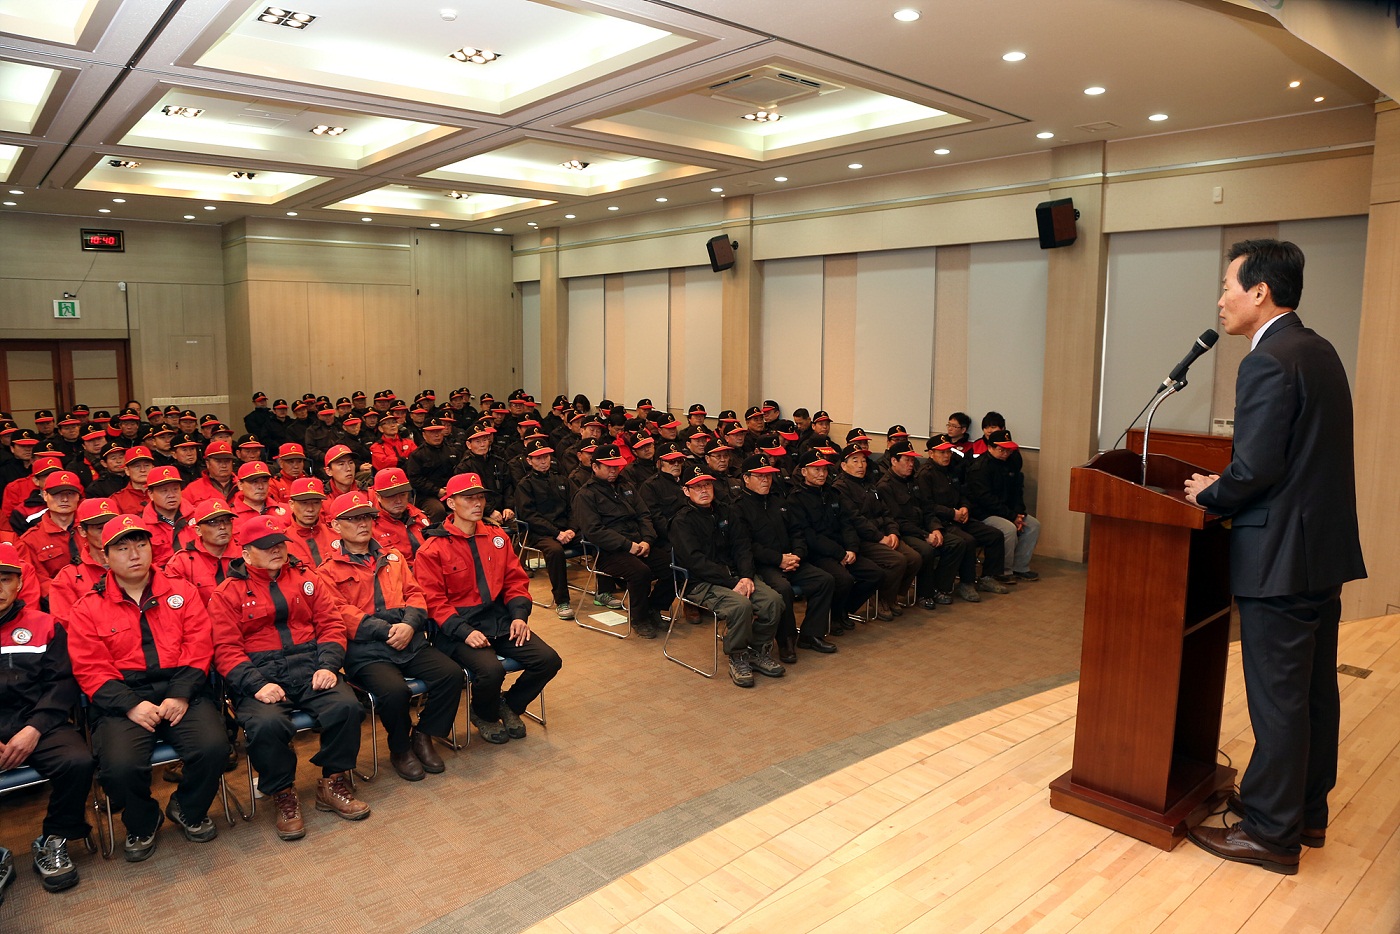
(1377, 391)
(740, 306)
(554, 319)
(1073, 343)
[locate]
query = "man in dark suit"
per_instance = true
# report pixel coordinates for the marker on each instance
(1290, 490)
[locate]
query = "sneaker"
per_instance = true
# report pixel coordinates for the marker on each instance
(740, 671)
(969, 593)
(563, 611)
(884, 613)
(928, 603)
(942, 599)
(1007, 578)
(761, 660)
(334, 794)
(53, 864)
(515, 727)
(989, 584)
(1027, 576)
(202, 832)
(7, 871)
(290, 826)
(644, 628)
(493, 731)
(608, 600)
(138, 849)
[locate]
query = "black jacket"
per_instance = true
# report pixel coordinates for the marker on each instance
(664, 497)
(868, 515)
(995, 488)
(36, 683)
(611, 516)
(543, 500)
(906, 506)
(772, 533)
(495, 476)
(428, 469)
(825, 524)
(712, 545)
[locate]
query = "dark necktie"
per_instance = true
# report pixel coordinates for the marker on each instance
(281, 612)
(73, 556)
(482, 585)
(148, 639)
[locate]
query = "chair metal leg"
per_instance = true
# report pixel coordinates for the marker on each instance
(680, 614)
(539, 717)
(608, 631)
(252, 790)
(373, 742)
(102, 806)
(228, 797)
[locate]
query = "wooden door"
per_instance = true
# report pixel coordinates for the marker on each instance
(57, 375)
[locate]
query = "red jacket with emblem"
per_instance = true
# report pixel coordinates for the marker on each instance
(125, 652)
(204, 488)
(36, 680)
(275, 631)
(73, 583)
(450, 577)
(380, 590)
(129, 501)
(404, 533)
(48, 548)
(197, 566)
(168, 537)
(311, 546)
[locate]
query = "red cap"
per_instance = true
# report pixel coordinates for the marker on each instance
(253, 470)
(218, 449)
(211, 509)
(290, 449)
(9, 559)
(63, 480)
(338, 452)
(390, 480)
(261, 532)
(464, 483)
(122, 526)
(91, 510)
(46, 462)
(163, 475)
(306, 488)
(137, 453)
(353, 504)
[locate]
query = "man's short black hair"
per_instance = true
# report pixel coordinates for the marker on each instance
(1276, 263)
(962, 418)
(993, 420)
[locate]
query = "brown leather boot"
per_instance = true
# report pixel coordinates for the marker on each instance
(289, 823)
(407, 765)
(422, 746)
(334, 794)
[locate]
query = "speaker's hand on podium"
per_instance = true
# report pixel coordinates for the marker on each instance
(1197, 483)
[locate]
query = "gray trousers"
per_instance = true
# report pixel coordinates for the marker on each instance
(752, 620)
(1019, 545)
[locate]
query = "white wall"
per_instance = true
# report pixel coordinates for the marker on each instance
(587, 337)
(530, 333)
(894, 339)
(646, 312)
(791, 332)
(696, 345)
(1007, 287)
(1335, 252)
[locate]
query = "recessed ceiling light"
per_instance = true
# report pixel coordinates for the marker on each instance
(16, 191)
(11, 204)
(1095, 91)
(498, 229)
(906, 16)
(325, 129)
(1014, 57)
(291, 213)
(531, 224)
(122, 163)
(434, 225)
(613, 207)
(1295, 84)
(716, 190)
(474, 56)
(243, 176)
(104, 210)
(941, 152)
(366, 219)
(119, 201)
(189, 217)
(171, 110)
(1157, 118)
(780, 178)
(569, 217)
(856, 165)
(277, 16)
(210, 207)
(574, 165)
(458, 195)
(448, 16)
(764, 116)
(1045, 134)
(662, 200)
(1319, 99)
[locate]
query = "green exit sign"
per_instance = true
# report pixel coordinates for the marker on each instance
(66, 309)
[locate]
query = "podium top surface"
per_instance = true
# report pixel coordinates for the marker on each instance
(1111, 485)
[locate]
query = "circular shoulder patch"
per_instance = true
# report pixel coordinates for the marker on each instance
(308, 588)
(174, 601)
(393, 556)
(22, 636)
(498, 542)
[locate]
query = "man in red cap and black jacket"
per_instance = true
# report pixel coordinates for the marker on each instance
(141, 650)
(480, 597)
(400, 524)
(388, 644)
(37, 693)
(279, 640)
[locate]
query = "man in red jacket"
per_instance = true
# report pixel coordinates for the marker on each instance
(73, 582)
(291, 466)
(166, 515)
(51, 544)
(217, 482)
(132, 498)
(37, 693)
(400, 524)
(480, 597)
(279, 640)
(204, 562)
(388, 643)
(141, 651)
(310, 538)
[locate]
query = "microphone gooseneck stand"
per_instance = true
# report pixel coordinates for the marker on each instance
(1176, 386)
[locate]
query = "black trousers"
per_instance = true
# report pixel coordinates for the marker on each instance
(853, 583)
(555, 565)
(650, 587)
(124, 764)
(940, 563)
(897, 565)
(269, 731)
(541, 663)
(974, 535)
(385, 681)
(818, 587)
(1289, 649)
(65, 760)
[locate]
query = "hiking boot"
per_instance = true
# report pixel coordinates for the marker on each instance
(201, 832)
(603, 598)
(883, 612)
(7, 871)
(1007, 578)
(53, 864)
(644, 628)
(564, 610)
(969, 593)
(333, 793)
(988, 584)
(138, 849)
(290, 826)
(422, 746)
(761, 660)
(740, 671)
(1027, 576)
(943, 597)
(493, 731)
(515, 727)
(928, 603)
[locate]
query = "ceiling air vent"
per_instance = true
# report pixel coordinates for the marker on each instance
(1104, 127)
(768, 87)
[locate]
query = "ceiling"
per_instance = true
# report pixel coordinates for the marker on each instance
(591, 109)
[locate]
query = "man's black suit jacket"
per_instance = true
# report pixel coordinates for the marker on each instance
(1290, 487)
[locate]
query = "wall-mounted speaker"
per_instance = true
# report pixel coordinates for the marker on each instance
(721, 252)
(1055, 221)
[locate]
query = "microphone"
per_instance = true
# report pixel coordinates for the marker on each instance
(1203, 343)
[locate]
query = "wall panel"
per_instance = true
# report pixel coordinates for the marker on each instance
(1335, 253)
(530, 335)
(792, 332)
(894, 339)
(587, 337)
(695, 339)
(1007, 285)
(647, 357)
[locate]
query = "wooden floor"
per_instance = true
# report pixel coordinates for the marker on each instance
(953, 831)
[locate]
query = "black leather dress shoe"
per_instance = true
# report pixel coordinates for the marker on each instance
(1234, 844)
(817, 645)
(787, 651)
(1315, 837)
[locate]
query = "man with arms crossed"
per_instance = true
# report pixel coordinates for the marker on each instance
(1290, 490)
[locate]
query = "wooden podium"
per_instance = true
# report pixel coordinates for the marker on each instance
(1156, 636)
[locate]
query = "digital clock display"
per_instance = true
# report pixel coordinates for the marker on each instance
(106, 241)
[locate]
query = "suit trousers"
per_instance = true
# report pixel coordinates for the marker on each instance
(268, 731)
(1289, 651)
(979, 535)
(556, 566)
(64, 759)
(539, 661)
(855, 582)
(385, 680)
(818, 587)
(898, 567)
(940, 563)
(650, 588)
